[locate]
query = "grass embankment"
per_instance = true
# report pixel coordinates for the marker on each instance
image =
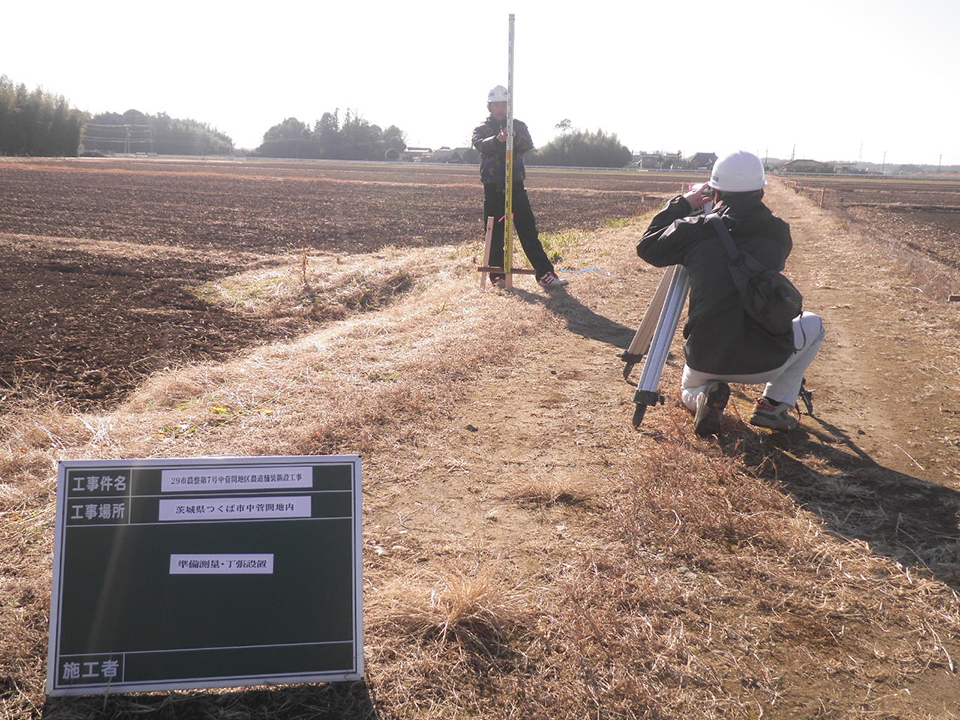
(527, 554)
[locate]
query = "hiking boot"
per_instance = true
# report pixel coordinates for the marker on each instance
(710, 405)
(551, 279)
(774, 415)
(498, 281)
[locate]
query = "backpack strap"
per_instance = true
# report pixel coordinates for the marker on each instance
(737, 265)
(743, 262)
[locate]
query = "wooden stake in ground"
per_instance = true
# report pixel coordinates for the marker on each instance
(488, 241)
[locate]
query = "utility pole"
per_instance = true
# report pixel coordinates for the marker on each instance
(939, 163)
(883, 167)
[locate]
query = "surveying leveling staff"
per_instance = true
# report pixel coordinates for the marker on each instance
(490, 139)
(723, 343)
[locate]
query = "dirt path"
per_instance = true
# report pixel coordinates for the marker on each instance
(887, 377)
(886, 394)
(536, 439)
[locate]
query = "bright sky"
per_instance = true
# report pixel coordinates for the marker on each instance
(826, 76)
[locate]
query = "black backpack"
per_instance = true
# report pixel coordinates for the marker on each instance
(766, 295)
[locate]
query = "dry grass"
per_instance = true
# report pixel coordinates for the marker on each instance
(546, 490)
(329, 287)
(657, 575)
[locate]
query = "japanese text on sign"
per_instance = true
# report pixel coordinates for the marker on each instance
(222, 564)
(245, 508)
(206, 479)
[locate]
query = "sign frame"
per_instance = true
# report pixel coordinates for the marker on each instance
(213, 501)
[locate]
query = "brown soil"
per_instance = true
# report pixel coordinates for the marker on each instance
(100, 258)
(526, 471)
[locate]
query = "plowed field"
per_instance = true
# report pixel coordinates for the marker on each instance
(101, 256)
(923, 215)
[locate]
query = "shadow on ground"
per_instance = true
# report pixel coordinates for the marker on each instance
(333, 701)
(909, 520)
(580, 319)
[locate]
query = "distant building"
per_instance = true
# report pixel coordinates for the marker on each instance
(807, 166)
(416, 153)
(650, 161)
(453, 155)
(701, 161)
(672, 160)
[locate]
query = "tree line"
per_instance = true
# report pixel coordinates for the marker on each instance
(37, 122)
(136, 132)
(353, 138)
(581, 148)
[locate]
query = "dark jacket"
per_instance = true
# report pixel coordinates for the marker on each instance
(493, 153)
(721, 337)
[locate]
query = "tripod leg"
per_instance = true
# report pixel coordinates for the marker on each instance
(641, 340)
(648, 389)
(806, 396)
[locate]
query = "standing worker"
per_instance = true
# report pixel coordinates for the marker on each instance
(490, 139)
(723, 343)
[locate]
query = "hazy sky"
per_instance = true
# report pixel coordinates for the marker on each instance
(825, 76)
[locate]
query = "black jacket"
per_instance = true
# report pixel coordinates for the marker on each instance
(721, 338)
(493, 153)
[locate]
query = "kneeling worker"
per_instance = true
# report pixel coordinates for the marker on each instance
(723, 343)
(490, 139)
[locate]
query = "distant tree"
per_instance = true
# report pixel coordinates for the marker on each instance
(37, 122)
(327, 133)
(581, 148)
(361, 140)
(134, 131)
(394, 137)
(564, 125)
(352, 139)
(289, 139)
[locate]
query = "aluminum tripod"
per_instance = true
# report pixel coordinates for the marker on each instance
(653, 340)
(675, 285)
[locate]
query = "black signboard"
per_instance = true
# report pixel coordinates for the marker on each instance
(206, 572)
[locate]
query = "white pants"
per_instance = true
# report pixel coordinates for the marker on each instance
(783, 383)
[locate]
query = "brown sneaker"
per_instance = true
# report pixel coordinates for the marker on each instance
(771, 414)
(710, 405)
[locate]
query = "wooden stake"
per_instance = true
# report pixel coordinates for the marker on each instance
(486, 251)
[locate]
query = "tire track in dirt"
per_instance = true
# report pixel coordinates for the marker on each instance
(885, 379)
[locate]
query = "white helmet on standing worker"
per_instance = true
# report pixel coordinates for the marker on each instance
(498, 94)
(739, 171)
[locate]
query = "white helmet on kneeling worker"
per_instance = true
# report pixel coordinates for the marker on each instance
(739, 171)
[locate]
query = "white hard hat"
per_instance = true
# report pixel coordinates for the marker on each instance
(498, 94)
(739, 171)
